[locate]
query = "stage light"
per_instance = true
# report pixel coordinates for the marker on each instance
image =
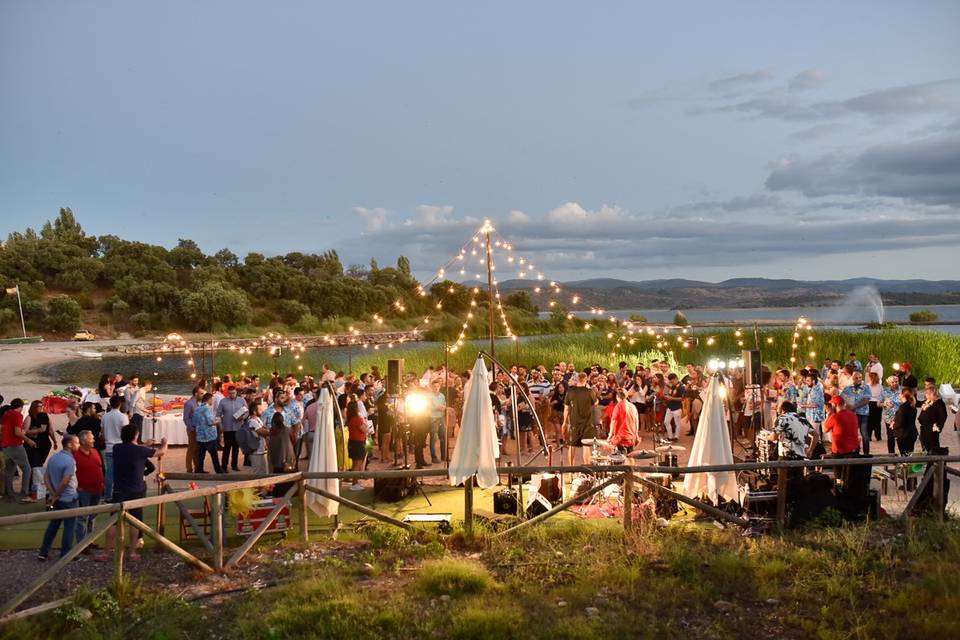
(416, 404)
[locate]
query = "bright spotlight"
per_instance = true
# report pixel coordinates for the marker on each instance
(416, 404)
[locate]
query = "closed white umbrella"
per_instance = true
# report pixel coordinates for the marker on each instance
(323, 457)
(477, 448)
(712, 446)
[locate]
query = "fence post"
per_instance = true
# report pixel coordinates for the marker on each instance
(627, 501)
(121, 543)
(302, 508)
(939, 470)
(216, 530)
(781, 499)
(468, 505)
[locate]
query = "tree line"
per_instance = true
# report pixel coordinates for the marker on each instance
(65, 275)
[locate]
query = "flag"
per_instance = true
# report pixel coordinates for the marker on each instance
(12, 290)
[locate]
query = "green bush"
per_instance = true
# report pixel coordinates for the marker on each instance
(7, 318)
(924, 316)
(307, 324)
(262, 318)
(63, 313)
(141, 320)
(680, 319)
(291, 311)
(638, 317)
(119, 309)
(454, 577)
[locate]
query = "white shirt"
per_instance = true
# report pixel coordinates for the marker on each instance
(112, 422)
(877, 368)
(129, 394)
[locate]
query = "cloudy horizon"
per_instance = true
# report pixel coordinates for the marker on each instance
(775, 143)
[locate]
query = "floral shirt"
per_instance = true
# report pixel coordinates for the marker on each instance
(789, 393)
(811, 402)
(890, 401)
(793, 434)
(854, 395)
(291, 414)
(203, 423)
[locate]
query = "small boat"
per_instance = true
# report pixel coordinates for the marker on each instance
(93, 355)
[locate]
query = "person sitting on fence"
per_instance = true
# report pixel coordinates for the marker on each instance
(129, 467)
(60, 479)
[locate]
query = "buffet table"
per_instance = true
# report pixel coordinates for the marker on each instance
(169, 426)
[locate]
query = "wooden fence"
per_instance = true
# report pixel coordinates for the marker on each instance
(119, 514)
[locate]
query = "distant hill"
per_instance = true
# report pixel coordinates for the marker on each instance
(679, 293)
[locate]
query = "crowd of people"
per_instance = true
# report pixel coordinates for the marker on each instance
(245, 425)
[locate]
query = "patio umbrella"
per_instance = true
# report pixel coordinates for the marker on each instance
(712, 446)
(477, 449)
(323, 457)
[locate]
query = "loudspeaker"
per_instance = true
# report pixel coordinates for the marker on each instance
(394, 376)
(752, 367)
(505, 502)
(393, 489)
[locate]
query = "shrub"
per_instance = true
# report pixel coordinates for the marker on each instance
(291, 311)
(454, 577)
(924, 316)
(307, 324)
(63, 313)
(7, 317)
(119, 308)
(680, 319)
(638, 317)
(214, 303)
(262, 318)
(85, 300)
(141, 320)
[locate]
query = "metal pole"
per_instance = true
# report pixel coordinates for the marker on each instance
(446, 408)
(23, 325)
(493, 347)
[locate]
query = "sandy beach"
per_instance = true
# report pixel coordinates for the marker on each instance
(20, 365)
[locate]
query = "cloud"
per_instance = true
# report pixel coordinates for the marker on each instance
(808, 79)
(434, 215)
(940, 97)
(741, 81)
(925, 171)
(572, 240)
(817, 131)
(374, 218)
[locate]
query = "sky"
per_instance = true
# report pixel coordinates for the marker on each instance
(703, 140)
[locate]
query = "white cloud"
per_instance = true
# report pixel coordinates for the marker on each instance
(518, 217)
(431, 215)
(374, 218)
(737, 82)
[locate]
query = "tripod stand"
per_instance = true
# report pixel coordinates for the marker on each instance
(417, 482)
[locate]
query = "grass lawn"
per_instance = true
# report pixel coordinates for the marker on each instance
(566, 579)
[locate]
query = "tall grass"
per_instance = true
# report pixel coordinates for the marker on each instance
(932, 353)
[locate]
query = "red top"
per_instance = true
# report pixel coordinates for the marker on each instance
(11, 420)
(845, 429)
(89, 471)
(358, 428)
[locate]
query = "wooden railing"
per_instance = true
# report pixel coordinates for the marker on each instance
(119, 513)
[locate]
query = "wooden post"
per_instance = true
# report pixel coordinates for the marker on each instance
(167, 544)
(216, 529)
(781, 499)
(302, 509)
(938, 470)
(121, 544)
(468, 505)
(627, 501)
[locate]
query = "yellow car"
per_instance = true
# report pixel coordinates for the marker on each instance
(84, 336)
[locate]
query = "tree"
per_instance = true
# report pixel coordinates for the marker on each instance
(291, 311)
(186, 255)
(680, 319)
(226, 259)
(521, 300)
(403, 265)
(63, 313)
(214, 303)
(638, 317)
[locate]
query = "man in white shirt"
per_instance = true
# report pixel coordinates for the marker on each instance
(113, 421)
(874, 366)
(138, 412)
(426, 378)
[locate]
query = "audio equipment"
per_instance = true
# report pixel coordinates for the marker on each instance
(752, 367)
(394, 376)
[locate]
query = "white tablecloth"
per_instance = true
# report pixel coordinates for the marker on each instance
(169, 426)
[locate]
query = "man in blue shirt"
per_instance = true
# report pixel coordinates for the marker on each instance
(857, 398)
(188, 410)
(227, 410)
(61, 482)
